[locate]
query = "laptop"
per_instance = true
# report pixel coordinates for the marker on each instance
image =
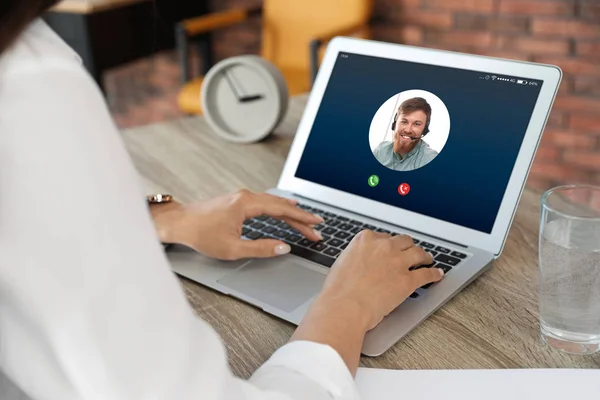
(404, 140)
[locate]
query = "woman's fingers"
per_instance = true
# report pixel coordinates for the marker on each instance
(284, 209)
(261, 248)
(303, 221)
(304, 229)
(416, 256)
(423, 276)
(403, 242)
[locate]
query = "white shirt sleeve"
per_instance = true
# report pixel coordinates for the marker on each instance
(89, 308)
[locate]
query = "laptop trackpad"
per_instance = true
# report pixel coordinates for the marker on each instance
(284, 283)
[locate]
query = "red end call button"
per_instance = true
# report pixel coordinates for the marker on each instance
(404, 189)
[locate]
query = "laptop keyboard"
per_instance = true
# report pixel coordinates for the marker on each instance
(338, 232)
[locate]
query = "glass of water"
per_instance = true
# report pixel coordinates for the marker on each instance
(569, 269)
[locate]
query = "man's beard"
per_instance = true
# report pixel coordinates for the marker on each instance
(404, 146)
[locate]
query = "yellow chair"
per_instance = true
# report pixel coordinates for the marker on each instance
(293, 35)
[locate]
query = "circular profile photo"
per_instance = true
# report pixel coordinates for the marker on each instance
(409, 130)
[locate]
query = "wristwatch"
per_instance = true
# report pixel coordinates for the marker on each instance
(160, 198)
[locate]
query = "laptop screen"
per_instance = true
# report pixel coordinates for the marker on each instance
(433, 140)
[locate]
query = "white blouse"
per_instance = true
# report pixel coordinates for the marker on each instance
(89, 308)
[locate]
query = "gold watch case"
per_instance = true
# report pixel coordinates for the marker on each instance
(159, 198)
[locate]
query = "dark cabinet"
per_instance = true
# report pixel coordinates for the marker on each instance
(113, 36)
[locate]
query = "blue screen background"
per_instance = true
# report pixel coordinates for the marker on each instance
(465, 183)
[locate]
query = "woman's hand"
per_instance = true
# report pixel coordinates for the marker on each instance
(367, 282)
(214, 227)
(376, 273)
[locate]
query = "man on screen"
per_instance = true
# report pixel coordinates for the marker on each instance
(408, 151)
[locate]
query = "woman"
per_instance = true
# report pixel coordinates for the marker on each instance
(88, 306)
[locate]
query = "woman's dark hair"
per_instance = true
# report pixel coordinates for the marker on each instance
(15, 15)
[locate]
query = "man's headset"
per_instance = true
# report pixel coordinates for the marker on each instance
(425, 131)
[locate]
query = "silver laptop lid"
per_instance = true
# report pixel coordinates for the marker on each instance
(437, 142)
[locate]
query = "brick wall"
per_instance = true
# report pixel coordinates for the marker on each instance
(561, 32)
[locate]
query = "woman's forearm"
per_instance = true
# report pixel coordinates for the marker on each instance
(339, 323)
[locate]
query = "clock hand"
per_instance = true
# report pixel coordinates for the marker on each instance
(248, 99)
(241, 99)
(231, 85)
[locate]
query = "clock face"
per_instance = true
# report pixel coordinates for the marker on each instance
(242, 100)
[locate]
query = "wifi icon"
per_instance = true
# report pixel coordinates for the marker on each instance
(494, 77)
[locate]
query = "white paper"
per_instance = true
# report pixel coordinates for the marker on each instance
(506, 384)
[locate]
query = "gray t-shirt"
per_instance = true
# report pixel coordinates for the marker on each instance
(421, 155)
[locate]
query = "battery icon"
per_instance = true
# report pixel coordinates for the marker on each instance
(521, 82)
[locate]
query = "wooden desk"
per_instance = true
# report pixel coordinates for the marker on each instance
(493, 323)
